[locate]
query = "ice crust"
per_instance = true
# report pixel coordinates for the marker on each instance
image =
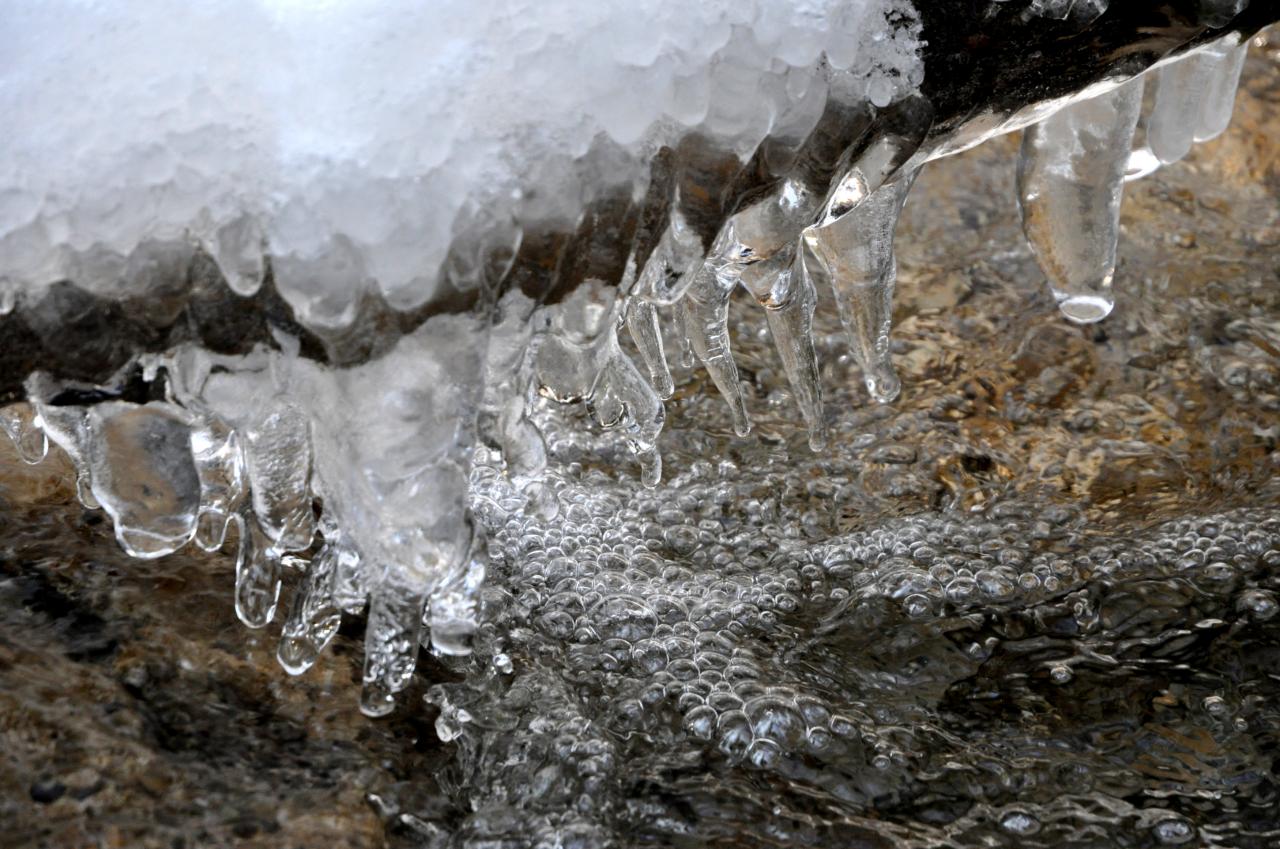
(347, 138)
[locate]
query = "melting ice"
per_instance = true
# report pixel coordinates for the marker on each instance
(285, 142)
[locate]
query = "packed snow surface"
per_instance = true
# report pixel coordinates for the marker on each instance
(347, 139)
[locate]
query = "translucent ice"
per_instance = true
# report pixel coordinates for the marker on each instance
(854, 255)
(348, 142)
(143, 474)
(22, 425)
(1070, 179)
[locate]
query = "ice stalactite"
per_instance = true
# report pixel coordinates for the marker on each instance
(1171, 126)
(642, 322)
(1194, 99)
(704, 313)
(215, 446)
(258, 573)
(854, 255)
(755, 249)
(1070, 179)
(1218, 102)
(850, 247)
(22, 425)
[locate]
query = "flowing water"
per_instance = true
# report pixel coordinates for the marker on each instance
(1032, 602)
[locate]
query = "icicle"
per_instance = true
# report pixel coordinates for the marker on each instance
(390, 645)
(143, 474)
(855, 254)
(215, 447)
(1219, 98)
(278, 455)
(68, 429)
(237, 248)
(879, 155)
(257, 574)
(1070, 180)
(579, 360)
(1181, 88)
(789, 308)
(705, 310)
(755, 248)
(642, 321)
(313, 616)
(23, 425)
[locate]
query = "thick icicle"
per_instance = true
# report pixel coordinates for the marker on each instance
(313, 617)
(1219, 98)
(855, 254)
(1070, 180)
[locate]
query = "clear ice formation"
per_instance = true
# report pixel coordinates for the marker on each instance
(357, 474)
(1070, 179)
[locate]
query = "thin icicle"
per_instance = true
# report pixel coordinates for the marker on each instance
(1070, 180)
(639, 412)
(755, 248)
(642, 322)
(705, 310)
(855, 255)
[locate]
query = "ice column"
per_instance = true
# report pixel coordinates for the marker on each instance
(1070, 179)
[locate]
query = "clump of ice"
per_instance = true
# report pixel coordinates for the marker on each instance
(346, 137)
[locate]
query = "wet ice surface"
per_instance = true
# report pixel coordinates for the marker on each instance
(1029, 603)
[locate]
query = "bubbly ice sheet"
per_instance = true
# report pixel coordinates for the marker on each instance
(351, 134)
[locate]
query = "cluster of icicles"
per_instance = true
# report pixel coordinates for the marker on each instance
(178, 470)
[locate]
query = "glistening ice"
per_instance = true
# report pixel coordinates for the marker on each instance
(345, 268)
